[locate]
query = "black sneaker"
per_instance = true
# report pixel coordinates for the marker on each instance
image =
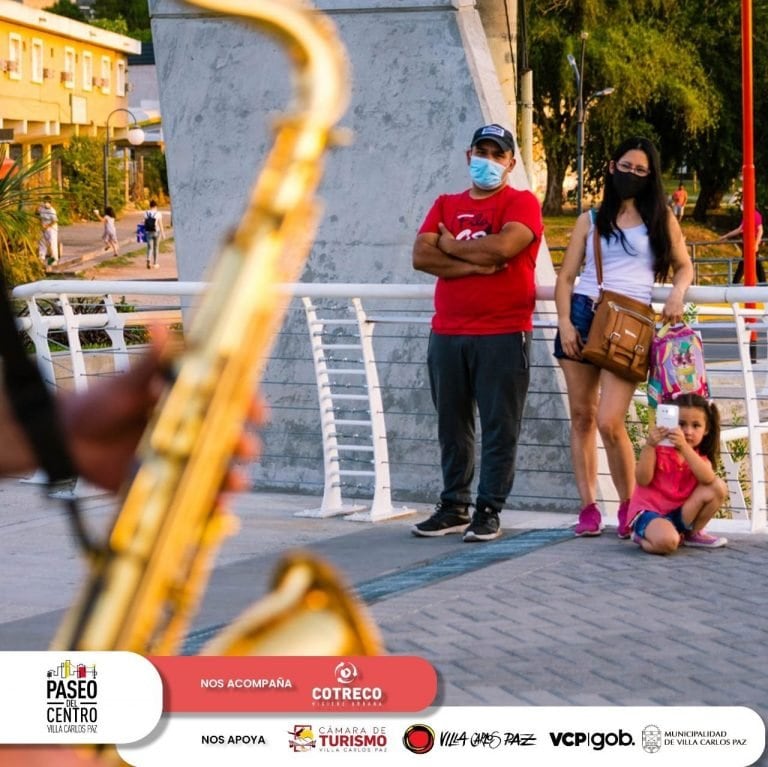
(445, 520)
(485, 526)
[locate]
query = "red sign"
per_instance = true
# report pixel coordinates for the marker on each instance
(356, 684)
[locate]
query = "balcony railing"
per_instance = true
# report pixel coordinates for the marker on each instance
(351, 418)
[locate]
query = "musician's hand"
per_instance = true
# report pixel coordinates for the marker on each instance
(103, 425)
(247, 450)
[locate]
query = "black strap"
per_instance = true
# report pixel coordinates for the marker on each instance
(30, 399)
(598, 252)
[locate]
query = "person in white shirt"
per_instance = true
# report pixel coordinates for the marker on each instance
(48, 244)
(153, 228)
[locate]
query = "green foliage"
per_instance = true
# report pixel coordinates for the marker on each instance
(134, 12)
(67, 9)
(118, 26)
(21, 192)
(82, 164)
(156, 174)
(669, 85)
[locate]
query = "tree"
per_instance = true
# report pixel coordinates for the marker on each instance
(119, 25)
(82, 167)
(68, 9)
(135, 13)
(716, 153)
(655, 71)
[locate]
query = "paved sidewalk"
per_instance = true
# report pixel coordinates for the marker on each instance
(535, 618)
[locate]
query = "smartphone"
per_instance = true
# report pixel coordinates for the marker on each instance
(668, 416)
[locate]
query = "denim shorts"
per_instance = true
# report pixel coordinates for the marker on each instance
(644, 518)
(582, 314)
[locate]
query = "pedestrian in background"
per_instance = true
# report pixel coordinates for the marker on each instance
(640, 241)
(739, 232)
(110, 232)
(481, 245)
(679, 199)
(153, 230)
(48, 244)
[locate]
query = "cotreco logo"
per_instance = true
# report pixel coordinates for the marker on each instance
(347, 693)
(346, 672)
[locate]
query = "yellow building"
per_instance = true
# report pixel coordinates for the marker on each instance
(59, 78)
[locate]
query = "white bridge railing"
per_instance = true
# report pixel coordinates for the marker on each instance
(52, 308)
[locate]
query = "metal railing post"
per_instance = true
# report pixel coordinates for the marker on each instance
(381, 505)
(756, 429)
(332, 503)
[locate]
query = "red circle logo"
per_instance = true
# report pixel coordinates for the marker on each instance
(419, 738)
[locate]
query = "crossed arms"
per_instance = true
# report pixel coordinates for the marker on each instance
(442, 255)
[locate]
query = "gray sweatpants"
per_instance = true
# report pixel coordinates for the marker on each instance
(492, 372)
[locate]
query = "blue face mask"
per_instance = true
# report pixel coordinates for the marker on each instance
(486, 174)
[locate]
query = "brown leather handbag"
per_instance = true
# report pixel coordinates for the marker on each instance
(620, 336)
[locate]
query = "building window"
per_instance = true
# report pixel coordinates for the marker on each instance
(106, 74)
(36, 74)
(87, 71)
(120, 79)
(14, 56)
(68, 71)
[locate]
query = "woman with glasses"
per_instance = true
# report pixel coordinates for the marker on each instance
(641, 242)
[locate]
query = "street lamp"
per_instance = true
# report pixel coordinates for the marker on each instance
(135, 137)
(582, 106)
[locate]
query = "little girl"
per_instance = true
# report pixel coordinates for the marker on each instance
(110, 232)
(677, 490)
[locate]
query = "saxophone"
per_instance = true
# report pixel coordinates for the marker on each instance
(144, 585)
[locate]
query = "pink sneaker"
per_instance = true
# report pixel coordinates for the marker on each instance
(702, 540)
(624, 530)
(590, 521)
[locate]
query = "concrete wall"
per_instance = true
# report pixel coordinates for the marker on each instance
(422, 80)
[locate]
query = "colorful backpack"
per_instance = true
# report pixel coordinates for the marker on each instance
(677, 364)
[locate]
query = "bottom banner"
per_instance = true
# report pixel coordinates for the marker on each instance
(716, 736)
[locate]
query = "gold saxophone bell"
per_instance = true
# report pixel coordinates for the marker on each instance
(144, 587)
(309, 611)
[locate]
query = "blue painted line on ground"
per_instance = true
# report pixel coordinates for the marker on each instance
(468, 559)
(473, 556)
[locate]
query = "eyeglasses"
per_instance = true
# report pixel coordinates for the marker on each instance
(638, 170)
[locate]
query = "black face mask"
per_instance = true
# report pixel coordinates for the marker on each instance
(628, 184)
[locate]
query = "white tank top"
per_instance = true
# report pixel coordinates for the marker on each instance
(627, 271)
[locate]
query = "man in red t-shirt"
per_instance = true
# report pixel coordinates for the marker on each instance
(481, 245)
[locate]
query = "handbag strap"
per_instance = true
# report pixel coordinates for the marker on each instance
(598, 250)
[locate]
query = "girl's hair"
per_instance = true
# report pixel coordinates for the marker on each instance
(651, 203)
(710, 445)
(109, 212)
